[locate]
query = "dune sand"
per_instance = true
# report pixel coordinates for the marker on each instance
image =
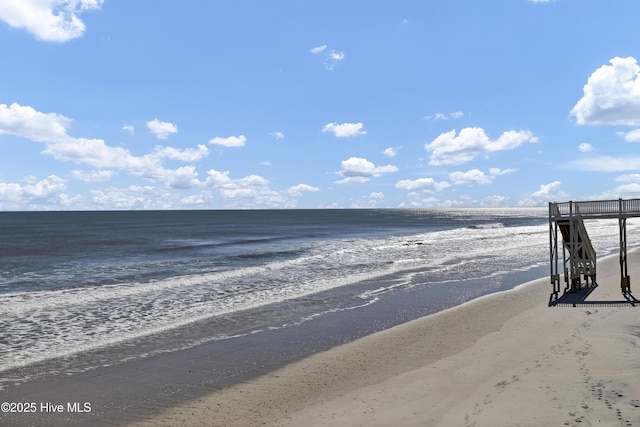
(508, 359)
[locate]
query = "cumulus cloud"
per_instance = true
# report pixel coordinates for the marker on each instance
(359, 170)
(277, 135)
(160, 129)
(130, 129)
(185, 155)
(51, 129)
(477, 177)
(449, 148)
(133, 197)
(390, 152)
(297, 190)
(472, 177)
(94, 152)
(632, 136)
(26, 122)
(183, 177)
(48, 20)
(47, 191)
(428, 185)
(345, 130)
(250, 191)
(547, 193)
(232, 141)
(611, 95)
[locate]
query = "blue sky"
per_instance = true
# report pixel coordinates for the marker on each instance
(143, 104)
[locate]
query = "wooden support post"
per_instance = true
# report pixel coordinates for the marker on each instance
(553, 249)
(625, 282)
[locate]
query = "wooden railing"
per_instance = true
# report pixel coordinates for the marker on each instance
(595, 209)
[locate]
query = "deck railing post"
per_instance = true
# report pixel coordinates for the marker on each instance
(625, 284)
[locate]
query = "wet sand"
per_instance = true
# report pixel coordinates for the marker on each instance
(503, 359)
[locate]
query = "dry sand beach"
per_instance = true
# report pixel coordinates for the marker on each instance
(507, 359)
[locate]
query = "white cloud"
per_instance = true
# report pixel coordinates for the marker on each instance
(331, 56)
(442, 116)
(477, 177)
(626, 191)
(48, 191)
(26, 122)
(632, 177)
(472, 177)
(51, 129)
(372, 200)
(160, 129)
(319, 49)
(96, 153)
(183, 177)
(359, 170)
(133, 197)
(297, 190)
(611, 95)
(499, 172)
(345, 130)
(422, 184)
(249, 192)
(585, 147)
(390, 152)
(547, 193)
(449, 148)
(92, 176)
(492, 201)
(606, 163)
(632, 136)
(129, 129)
(48, 20)
(185, 155)
(336, 56)
(417, 202)
(232, 141)
(277, 135)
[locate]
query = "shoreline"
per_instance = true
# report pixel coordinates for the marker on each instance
(143, 388)
(453, 368)
(176, 389)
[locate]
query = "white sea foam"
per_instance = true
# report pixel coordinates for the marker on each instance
(37, 326)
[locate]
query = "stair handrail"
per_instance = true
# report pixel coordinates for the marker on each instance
(586, 240)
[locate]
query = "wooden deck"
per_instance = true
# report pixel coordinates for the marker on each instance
(620, 208)
(578, 256)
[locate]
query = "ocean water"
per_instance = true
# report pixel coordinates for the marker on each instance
(80, 290)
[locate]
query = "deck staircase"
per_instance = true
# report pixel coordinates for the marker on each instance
(582, 255)
(567, 218)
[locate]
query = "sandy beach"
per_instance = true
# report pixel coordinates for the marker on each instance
(502, 360)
